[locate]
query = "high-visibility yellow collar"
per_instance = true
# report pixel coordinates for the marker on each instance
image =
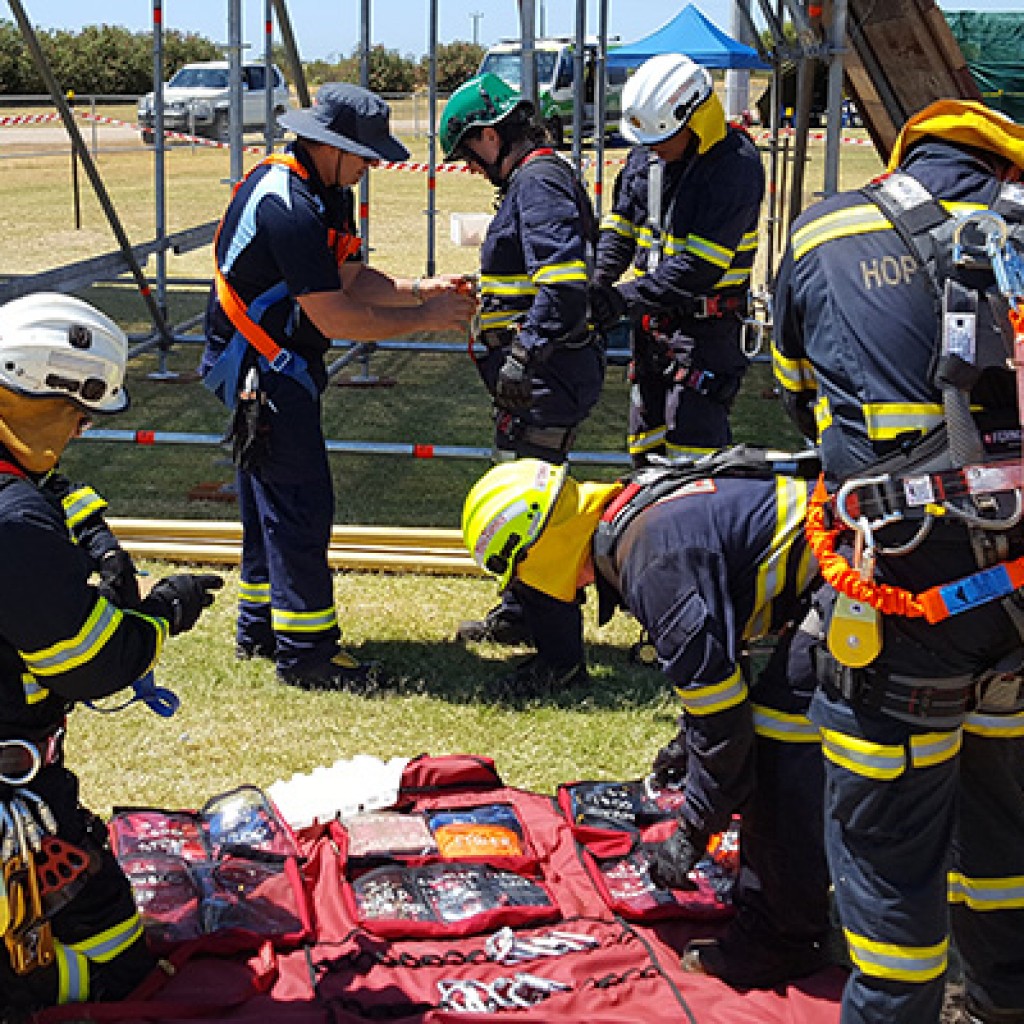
(965, 122)
(555, 562)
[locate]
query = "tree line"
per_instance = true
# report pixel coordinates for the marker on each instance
(112, 61)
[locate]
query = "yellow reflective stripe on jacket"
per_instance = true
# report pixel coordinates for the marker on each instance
(796, 375)
(701, 699)
(302, 622)
(887, 420)
(917, 964)
(995, 727)
(560, 273)
(80, 504)
(620, 225)
(872, 760)
(854, 220)
(111, 942)
(715, 254)
(931, 748)
(790, 513)
(72, 974)
(748, 243)
(733, 278)
(67, 654)
(495, 319)
(987, 893)
(254, 593)
(504, 286)
(33, 690)
(646, 440)
(784, 726)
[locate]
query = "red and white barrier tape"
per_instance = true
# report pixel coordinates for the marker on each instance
(399, 165)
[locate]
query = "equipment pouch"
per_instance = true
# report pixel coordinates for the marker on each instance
(1001, 688)
(249, 433)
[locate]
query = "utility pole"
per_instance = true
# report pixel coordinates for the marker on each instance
(475, 17)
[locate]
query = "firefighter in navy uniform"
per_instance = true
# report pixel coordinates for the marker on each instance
(288, 279)
(894, 356)
(542, 362)
(63, 640)
(705, 563)
(692, 246)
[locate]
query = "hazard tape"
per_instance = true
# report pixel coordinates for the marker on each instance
(390, 165)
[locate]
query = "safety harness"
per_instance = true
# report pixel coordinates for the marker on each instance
(650, 484)
(223, 377)
(953, 471)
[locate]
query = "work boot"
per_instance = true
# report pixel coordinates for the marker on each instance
(246, 651)
(537, 678)
(498, 626)
(342, 672)
(745, 960)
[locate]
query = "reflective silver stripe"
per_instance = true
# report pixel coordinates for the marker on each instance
(65, 655)
(987, 893)
(790, 512)
(104, 946)
(918, 964)
(81, 504)
(701, 699)
(715, 254)
(617, 223)
(282, 620)
(872, 760)
(644, 442)
(996, 727)
(254, 593)
(512, 284)
(559, 273)
(72, 975)
(783, 726)
(932, 748)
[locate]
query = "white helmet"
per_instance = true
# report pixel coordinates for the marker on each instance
(662, 97)
(57, 346)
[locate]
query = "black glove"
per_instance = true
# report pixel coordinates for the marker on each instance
(671, 862)
(607, 306)
(514, 390)
(180, 599)
(118, 581)
(669, 768)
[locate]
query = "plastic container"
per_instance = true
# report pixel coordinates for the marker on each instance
(468, 229)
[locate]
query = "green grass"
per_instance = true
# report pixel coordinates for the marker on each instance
(237, 724)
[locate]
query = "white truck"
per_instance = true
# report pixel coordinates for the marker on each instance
(556, 71)
(197, 100)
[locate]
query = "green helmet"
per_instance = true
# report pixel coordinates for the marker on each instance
(484, 100)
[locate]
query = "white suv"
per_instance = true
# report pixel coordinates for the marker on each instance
(196, 100)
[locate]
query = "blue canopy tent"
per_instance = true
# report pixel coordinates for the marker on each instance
(689, 33)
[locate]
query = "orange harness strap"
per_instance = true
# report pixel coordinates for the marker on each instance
(343, 244)
(934, 604)
(843, 577)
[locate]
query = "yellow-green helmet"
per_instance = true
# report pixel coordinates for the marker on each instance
(483, 100)
(506, 510)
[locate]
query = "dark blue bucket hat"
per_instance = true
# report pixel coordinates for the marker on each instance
(347, 117)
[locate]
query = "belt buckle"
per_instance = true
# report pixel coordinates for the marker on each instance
(29, 765)
(706, 306)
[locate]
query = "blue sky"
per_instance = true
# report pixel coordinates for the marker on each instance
(325, 28)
